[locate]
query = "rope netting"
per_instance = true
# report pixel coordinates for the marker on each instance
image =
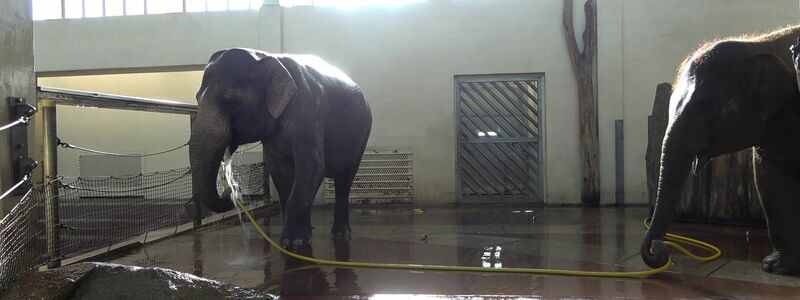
(22, 247)
(96, 213)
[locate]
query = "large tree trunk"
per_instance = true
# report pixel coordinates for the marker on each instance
(583, 65)
(723, 192)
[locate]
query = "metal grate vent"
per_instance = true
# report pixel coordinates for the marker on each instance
(384, 176)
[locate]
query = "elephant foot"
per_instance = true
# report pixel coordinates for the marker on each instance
(295, 244)
(340, 233)
(293, 240)
(780, 263)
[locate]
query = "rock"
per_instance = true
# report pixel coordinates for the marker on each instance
(113, 281)
(51, 284)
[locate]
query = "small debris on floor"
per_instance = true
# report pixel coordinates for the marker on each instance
(419, 211)
(533, 219)
(528, 211)
(516, 211)
(424, 237)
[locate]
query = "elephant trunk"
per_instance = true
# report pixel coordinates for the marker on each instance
(211, 135)
(676, 159)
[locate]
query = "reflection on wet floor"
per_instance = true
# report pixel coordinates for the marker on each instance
(567, 238)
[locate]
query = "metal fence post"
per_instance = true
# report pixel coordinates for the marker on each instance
(51, 190)
(197, 217)
(619, 153)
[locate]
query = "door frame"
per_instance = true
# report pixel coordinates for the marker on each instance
(534, 76)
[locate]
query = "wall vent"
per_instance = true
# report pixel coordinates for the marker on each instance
(384, 176)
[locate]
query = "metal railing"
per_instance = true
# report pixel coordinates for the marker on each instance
(100, 100)
(79, 219)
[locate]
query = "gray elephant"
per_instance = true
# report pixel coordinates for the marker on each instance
(312, 120)
(730, 95)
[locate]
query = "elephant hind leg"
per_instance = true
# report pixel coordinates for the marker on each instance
(341, 215)
(778, 188)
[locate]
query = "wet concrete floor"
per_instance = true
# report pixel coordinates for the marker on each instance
(567, 238)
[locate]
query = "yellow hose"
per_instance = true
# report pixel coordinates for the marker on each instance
(636, 274)
(673, 239)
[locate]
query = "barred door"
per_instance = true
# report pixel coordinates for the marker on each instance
(499, 146)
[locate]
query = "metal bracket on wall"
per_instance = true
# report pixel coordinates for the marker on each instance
(22, 165)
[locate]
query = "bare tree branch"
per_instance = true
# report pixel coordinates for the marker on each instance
(590, 31)
(583, 66)
(569, 30)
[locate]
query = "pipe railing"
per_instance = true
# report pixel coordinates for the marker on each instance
(110, 101)
(50, 98)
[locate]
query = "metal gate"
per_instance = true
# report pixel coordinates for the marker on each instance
(499, 148)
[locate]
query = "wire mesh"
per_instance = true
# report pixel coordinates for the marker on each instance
(22, 246)
(96, 213)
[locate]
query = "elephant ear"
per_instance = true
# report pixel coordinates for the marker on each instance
(204, 83)
(279, 83)
(216, 55)
(771, 83)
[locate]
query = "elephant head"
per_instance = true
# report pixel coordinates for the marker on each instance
(243, 94)
(724, 97)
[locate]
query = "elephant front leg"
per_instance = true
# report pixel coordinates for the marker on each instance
(282, 172)
(297, 225)
(778, 188)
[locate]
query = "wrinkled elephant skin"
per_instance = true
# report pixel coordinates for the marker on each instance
(311, 118)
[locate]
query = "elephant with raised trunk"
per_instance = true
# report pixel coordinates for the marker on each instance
(730, 95)
(311, 118)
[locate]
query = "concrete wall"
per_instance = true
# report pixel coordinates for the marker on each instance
(16, 79)
(408, 75)
(406, 56)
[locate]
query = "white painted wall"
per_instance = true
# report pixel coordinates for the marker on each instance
(405, 58)
(150, 40)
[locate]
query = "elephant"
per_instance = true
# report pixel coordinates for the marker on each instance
(730, 95)
(312, 120)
